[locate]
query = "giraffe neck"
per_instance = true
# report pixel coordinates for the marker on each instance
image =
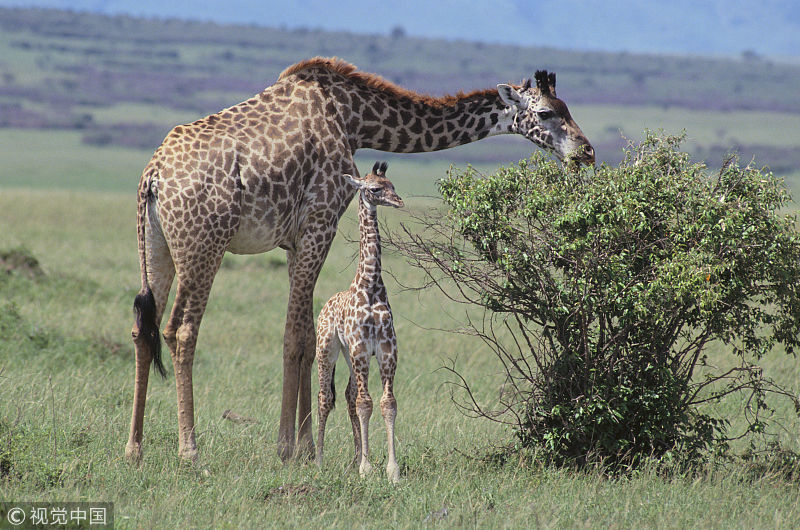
(377, 114)
(403, 125)
(368, 274)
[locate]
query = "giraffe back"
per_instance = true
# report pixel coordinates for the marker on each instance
(253, 174)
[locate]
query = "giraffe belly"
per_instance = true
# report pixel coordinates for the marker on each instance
(372, 327)
(253, 239)
(257, 235)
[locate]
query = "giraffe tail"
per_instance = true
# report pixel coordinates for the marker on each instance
(144, 305)
(333, 387)
(144, 308)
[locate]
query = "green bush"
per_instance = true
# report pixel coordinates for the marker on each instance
(603, 289)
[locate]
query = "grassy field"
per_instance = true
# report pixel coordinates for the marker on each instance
(66, 376)
(82, 86)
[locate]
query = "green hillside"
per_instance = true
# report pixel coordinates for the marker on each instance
(125, 81)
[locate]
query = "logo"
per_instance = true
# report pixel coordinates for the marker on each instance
(16, 516)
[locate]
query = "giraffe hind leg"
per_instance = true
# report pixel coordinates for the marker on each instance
(147, 344)
(180, 333)
(388, 364)
(328, 348)
(148, 309)
(146, 328)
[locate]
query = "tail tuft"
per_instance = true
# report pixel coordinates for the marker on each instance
(144, 308)
(333, 387)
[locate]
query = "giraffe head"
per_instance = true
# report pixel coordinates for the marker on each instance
(376, 188)
(544, 119)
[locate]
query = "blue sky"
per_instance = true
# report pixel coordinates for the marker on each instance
(707, 27)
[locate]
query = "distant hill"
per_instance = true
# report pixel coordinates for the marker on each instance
(122, 80)
(195, 58)
(707, 27)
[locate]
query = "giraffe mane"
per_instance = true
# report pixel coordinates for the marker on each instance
(334, 64)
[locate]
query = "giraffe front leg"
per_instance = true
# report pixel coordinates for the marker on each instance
(291, 378)
(305, 441)
(360, 360)
(294, 343)
(298, 340)
(389, 413)
(387, 360)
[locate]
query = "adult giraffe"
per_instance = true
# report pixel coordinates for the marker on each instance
(268, 173)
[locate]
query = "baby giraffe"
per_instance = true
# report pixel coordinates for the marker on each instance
(360, 320)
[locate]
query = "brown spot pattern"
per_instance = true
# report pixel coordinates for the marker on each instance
(359, 321)
(269, 172)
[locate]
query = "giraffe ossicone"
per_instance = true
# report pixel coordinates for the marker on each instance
(269, 172)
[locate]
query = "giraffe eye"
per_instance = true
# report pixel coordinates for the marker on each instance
(375, 189)
(545, 114)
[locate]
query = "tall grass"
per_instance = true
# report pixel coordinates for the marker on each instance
(66, 375)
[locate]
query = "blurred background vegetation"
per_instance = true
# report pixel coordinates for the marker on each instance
(123, 82)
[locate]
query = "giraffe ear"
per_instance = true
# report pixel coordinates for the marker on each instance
(509, 95)
(355, 181)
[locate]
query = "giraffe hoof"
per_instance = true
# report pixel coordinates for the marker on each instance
(188, 454)
(393, 473)
(285, 451)
(365, 468)
(133, 453)
(305, 449)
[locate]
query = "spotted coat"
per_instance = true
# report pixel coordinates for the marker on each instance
(269, 172)
(359, 321)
